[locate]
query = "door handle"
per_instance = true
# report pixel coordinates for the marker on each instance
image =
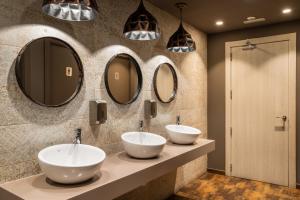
(284, 119)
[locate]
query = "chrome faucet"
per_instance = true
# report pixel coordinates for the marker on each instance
(178, 120)
(141, 126)
(77, 139)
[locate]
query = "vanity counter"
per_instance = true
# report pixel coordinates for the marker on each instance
(119, 175)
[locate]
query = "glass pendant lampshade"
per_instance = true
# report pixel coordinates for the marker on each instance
(181, 41)
(71, 10)
(141, 25)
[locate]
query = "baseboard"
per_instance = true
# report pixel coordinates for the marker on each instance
(222, 172)
(216, 171)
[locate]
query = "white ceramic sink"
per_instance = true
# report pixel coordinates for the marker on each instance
(71, 163)
(180, 134)
(143, 144)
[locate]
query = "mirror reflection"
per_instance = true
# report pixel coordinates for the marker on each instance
(49, 72)
(123, 79)
(165, 83)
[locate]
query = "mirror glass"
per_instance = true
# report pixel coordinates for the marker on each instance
(49, 72)
(123, 79)
(165, 83)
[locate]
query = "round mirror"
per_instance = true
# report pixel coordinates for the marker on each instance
(49, 72)
(165, 83)
(123, 79)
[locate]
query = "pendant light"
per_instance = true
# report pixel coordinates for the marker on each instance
(181, 41)
(141, 25)
(71, 10)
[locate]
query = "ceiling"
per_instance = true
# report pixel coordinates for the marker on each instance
(204, 13)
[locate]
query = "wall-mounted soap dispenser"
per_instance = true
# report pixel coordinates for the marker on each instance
(98, 112)
(150, 109)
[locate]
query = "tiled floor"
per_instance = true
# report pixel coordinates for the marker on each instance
(219, 187)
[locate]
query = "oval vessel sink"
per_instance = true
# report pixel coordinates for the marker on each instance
(180, 134)
(143, 144)
(71, 163)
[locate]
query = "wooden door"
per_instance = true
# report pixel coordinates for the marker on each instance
(260, 111)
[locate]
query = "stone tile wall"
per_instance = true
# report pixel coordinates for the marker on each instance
(26, 128)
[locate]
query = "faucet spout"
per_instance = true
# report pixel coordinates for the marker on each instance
(77, 139)
(178, 120)
(141, 126)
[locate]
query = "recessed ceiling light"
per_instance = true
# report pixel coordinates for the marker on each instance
(286, 10)
(251, 18)
(219, 23)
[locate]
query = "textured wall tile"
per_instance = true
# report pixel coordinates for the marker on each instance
(8, 55)
(8, 173)
(26, 128)
(19, 109)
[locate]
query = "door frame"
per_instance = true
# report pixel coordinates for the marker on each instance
(291, 38)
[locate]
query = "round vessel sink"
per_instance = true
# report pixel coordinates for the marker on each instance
(180, 134)
(71, 163)
(143, 144)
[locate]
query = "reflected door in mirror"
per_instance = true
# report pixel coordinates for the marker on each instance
(49, 72)
(123, 79)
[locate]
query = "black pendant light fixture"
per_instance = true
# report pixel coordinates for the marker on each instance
(141, 25)
(181, 41)
(71, 10)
